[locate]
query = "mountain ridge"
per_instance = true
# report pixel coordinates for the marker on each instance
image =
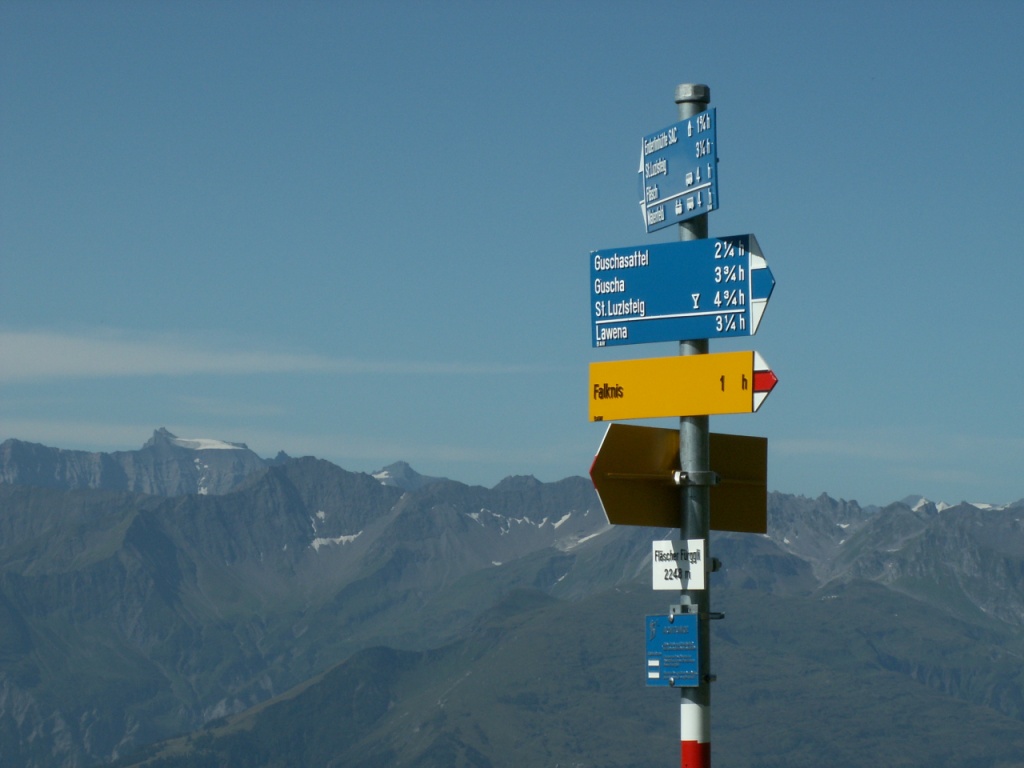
(29, 463)
(193, 607)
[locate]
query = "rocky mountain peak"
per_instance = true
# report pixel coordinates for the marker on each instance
(401, 475)
(163, 437)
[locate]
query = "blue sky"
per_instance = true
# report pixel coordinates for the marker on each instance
(361, 230)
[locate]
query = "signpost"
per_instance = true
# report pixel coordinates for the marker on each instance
(691, 291)
(678, 174)
(726, 382)
(697, 289)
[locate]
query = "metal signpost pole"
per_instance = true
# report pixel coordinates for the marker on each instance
(694, 713)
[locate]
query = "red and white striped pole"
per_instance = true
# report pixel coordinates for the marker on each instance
(694, 735)
(695, 516)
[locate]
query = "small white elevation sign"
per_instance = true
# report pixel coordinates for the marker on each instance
(678, 564)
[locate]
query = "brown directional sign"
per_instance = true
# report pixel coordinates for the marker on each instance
(635, 471)
(740, 500)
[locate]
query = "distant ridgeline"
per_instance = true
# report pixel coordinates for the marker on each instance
(166, 466)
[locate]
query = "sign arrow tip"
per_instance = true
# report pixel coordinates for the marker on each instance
(765, 381)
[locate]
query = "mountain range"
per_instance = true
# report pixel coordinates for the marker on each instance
(190, 603)
(166, 466)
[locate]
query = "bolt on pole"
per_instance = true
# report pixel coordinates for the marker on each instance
(695, 715)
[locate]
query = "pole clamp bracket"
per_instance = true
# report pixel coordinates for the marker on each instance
(680, 609)
(696, 478)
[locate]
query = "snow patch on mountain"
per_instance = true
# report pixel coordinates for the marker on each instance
(321, 542)
(919, 503)
(206, 444)
(566, 546)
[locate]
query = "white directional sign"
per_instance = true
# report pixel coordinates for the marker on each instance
(678, 564)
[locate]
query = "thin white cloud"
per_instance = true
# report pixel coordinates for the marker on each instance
(900, 447)
(37, 355)
(232, 407)
(76, 434)
(854, 447)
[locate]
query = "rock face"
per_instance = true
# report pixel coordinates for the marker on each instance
(127, 617)
(165, 466)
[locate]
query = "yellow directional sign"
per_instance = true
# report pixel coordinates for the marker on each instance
(635, 473)
(690, 385)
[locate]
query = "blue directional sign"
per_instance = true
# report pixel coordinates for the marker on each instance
(692, 289)
(672, 650)
(678, 173)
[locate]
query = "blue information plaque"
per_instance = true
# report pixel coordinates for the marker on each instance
(678, 173)
(672, 651)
